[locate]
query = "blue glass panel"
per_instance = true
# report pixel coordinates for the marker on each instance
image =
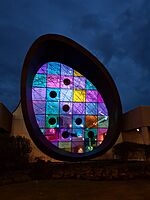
(78, 134)
(53, 94)
(78, 121)
(53, 68)
(40, 120)
(89, 85)
(66, 95)
(91, 108)
(52, 108)
(65, 70)
(39, 80)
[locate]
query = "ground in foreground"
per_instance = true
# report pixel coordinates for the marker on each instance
(77, 189)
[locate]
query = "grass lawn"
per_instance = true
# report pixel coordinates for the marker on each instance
(77, 189)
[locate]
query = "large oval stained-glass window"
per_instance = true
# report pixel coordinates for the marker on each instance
(69, 110)
(70, 103)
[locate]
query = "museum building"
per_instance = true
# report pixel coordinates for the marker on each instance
(70, 108)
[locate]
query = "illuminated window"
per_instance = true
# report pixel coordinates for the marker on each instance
(69, 110)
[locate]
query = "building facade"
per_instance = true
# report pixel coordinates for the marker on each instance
(135, 128)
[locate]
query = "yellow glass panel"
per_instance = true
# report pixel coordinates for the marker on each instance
(79, 96)
(65, 144)
(77, 73)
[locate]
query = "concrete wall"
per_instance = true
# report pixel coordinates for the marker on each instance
(19, 128)
(142, 136)
(136, 118)
(133, 136)
(136, 125)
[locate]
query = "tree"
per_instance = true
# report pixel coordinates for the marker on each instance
(14, 150)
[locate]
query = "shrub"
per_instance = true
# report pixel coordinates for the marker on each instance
(125, 150)
(14, 150)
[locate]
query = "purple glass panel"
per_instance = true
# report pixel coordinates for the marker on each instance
(40, 120)
(61, 138)
(65, 70)
(102, 131)
(78, 108)
(91, 95)
(53, 81)
(38, 93)
(65, 107)
(65, 121)
(64, 82)
(54, 143)
(100, 99)
(42, 69)
(79, 82)
(102, 110)
(39, 107)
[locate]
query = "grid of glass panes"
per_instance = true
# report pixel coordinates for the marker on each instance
(69, 110)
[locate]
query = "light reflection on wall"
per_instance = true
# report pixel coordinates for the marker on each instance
(69, 110)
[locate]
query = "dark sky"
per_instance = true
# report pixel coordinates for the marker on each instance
(116, 32)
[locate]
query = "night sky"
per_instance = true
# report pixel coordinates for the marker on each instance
(116, 32)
